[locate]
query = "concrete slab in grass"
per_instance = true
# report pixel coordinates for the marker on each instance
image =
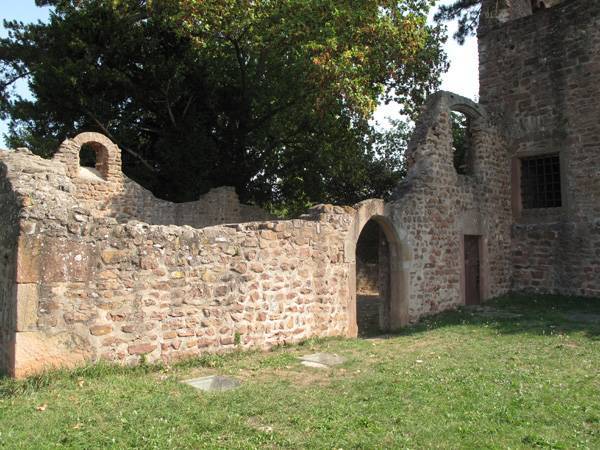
(214, 383)
(322, 360)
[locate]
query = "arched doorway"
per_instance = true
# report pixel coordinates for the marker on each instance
(372, 281)
(392, 269)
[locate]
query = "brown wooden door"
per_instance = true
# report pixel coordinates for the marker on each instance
(472, 272)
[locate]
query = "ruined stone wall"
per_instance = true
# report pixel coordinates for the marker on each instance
(218, 206)
(106, 191)
(540, 75)
(370, 315)
(367, 278)
(435, 207)
(173, 292)
(93, 282)
(89, 287)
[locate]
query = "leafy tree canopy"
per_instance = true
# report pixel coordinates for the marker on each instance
(273, 97)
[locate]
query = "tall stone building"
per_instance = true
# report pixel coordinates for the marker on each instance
(540, 77)
(92, 266)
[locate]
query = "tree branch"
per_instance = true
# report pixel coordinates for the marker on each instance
(171, 115)
(187, 106)
(112, 138)
(13, 80)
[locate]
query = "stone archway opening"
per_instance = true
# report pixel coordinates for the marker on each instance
(93, 161)
(87, 156)
(374, 233)
(373, 293)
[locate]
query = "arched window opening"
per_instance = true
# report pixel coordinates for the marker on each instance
(87, 156)
(372, 281)
(92, 161)
(461, 143)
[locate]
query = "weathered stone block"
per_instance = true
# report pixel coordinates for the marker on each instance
(27, 306)
(113, 256)
(140, 349)
(51, 260)
(100, 330)
(37, 351)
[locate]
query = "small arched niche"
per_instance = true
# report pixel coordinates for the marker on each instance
(93, 161)
(92, 157)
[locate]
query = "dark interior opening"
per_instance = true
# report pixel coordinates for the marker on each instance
(372, 281)
(87, 156)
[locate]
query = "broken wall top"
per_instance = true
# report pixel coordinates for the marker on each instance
(54, 186)
(494, 13)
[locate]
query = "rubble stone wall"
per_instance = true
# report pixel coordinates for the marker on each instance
(170, 292)
(540, 75)
(108, 192)
(367, 278)
(436, 207)
(88, 285)
(94, 282)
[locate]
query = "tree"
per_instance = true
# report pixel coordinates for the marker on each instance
(461, 142)
(272, 97)
(466, 12)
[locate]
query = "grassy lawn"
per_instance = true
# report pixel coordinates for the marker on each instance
(524, 373)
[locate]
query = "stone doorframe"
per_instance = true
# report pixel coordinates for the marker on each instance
(399, 257)
(471, 223)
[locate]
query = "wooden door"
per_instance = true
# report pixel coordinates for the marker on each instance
(472, 271)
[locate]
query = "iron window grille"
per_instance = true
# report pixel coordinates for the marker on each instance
(540, 182)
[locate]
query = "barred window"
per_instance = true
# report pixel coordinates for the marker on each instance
(540, 182)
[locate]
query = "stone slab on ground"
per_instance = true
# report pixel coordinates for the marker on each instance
(322, 360)
(492, 313)
(214, 383)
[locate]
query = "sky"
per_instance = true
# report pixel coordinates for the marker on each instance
(462, 77)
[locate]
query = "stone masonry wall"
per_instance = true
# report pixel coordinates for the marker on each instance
(173, 292)
(93, 282)
(435, 207)
(540, 75)
(108, 192)
(367, 278)
(89, 287)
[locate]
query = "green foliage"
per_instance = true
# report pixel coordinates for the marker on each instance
(520, 373)
(461, 142)
(466, 12)
(273, 98)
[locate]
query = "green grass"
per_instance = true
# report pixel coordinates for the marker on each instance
(527, 377)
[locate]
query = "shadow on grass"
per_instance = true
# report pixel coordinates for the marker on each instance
(522, 313)
(534, 314)
(276, 357)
